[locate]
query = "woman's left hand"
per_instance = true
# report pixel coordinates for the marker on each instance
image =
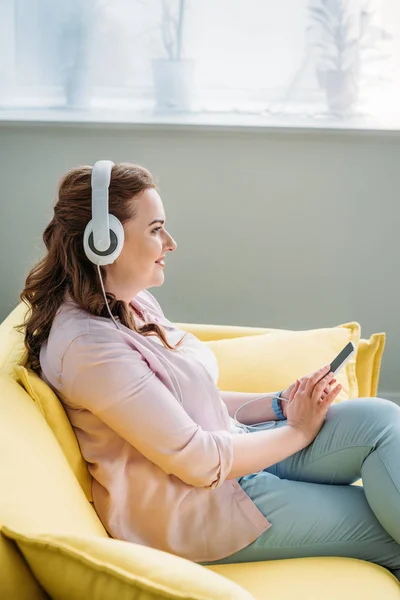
(288, 391)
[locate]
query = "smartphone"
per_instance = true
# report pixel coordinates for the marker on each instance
(342, 357)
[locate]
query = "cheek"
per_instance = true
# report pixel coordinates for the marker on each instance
(155, 247)
(133, 257)
(137, 257)
(148, 253)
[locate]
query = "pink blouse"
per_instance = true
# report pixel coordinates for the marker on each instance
(154, 431)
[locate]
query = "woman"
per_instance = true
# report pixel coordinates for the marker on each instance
(171, 468)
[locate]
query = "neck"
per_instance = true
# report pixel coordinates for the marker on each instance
(125, 293)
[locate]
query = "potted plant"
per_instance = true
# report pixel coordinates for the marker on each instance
(75, 40)
(341, 34)
(173, 75)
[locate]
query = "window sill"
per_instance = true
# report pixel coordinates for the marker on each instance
(204, 120)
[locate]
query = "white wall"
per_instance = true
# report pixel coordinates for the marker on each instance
(278, 229)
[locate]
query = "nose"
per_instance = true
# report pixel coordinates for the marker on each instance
(171, 244)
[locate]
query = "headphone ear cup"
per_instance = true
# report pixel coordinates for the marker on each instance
(117, 237)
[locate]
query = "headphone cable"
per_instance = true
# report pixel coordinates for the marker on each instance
(105, 297)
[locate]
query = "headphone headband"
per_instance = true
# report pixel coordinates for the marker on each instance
(103, 238)
(101, 177)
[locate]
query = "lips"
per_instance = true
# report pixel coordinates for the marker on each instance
(161, 261)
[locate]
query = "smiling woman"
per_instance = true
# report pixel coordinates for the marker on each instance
(170, 468)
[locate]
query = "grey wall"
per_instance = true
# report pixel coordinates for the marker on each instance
(283, 229)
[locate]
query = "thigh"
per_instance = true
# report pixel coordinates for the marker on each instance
(349, 434)
(310, 519)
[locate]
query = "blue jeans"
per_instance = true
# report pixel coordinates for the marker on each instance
(308, 498)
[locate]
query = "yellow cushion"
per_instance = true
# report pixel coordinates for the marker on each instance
(327, 578)
(272, 361)
(55, 415)
(12, 347)
(38, 491)
(101, 569)
(368, 359)
(368, 365)
(16, 579)
(208, 333)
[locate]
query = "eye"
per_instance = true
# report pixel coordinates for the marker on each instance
(156, 230)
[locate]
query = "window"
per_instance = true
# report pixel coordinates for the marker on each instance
(310, 63)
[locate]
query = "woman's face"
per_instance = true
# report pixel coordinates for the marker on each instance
(141, 262)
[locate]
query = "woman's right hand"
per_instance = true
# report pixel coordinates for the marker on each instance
(305, 410)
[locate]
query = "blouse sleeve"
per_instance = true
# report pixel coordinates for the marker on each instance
(114, 382)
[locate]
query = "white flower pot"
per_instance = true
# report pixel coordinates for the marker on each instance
(173, 84)
(341, 88)
(77, 88)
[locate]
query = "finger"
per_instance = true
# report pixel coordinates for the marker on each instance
(324, 383)
(315, 378)
(320, 387)
(329, 387)
(294, 390)
(305, 383)
(316, 374)
(333, 394)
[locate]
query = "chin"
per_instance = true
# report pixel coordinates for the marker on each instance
(157, 281)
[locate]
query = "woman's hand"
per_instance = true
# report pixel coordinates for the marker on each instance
(288, 391)
(306, 412)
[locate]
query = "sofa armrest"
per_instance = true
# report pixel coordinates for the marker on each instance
(368, 364)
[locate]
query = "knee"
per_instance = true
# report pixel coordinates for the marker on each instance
(369, 409)
(380, 409)
(380, 402)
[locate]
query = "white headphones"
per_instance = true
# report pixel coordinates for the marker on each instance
(103, 238)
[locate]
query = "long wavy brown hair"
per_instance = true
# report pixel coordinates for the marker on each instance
(65, 267)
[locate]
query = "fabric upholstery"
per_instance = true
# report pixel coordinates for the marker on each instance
(12, 349)
(368, 360)
(40, 491)
(91, 568)
(16, 579)
(272, 361)
(368, 364)
(314, 578)
(55, 415)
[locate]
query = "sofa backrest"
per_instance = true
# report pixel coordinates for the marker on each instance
(38, 489)
(13, 359)
(12, 348)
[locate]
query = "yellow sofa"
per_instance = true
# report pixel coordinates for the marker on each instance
(52, 544)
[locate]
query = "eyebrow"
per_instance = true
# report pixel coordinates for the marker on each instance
(156, 221)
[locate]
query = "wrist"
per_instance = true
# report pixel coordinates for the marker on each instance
(277, 406)
(284, 394)
(301, 437)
